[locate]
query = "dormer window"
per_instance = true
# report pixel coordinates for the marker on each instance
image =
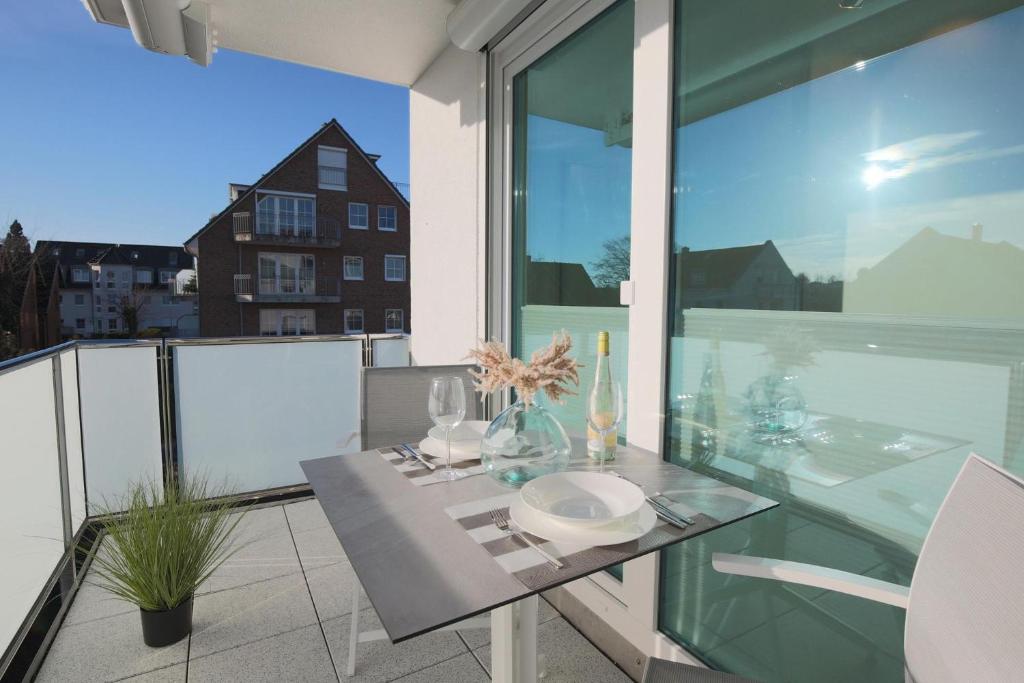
(332, 164)
(172, 258)
(79, 253)
(135, 256)
(56, 251)
(79, 274)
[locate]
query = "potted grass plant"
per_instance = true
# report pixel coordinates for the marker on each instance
(161, 544)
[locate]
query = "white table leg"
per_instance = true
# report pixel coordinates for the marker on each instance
(514, 642)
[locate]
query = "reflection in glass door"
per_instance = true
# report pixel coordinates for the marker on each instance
(846, 323)
(571, 174)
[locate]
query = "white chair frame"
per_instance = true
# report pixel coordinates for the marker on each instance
(355, 637)
(855, 584)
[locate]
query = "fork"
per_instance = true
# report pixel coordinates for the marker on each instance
(498, 517)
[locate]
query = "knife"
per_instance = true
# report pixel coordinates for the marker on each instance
(413, 453)
(660, 508)
(669, 515)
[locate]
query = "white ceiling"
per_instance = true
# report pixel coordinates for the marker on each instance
(385, 40)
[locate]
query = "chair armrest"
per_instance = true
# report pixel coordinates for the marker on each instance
(812, 575)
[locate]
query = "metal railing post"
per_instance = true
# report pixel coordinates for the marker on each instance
(62, 450)
(165, 399)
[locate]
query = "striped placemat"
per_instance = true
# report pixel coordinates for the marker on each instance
(417, 473)
(531, 569)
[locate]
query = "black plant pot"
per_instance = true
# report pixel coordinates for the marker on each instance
(168, 626)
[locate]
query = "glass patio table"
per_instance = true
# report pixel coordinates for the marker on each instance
(422, 569)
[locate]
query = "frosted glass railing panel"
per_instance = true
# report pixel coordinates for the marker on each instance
(120, 420)
(32, 533)
(583, 323)
(248, 413)
(390, 353)
(72, 427)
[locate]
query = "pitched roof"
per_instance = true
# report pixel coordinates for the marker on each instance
(66, 254)
(370, 159)
(722, 267)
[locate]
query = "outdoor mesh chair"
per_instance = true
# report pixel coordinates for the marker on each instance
(394, 407)
(965, 603)
(394, 411)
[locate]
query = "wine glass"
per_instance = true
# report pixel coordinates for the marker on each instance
(604, 413)
(447, 405)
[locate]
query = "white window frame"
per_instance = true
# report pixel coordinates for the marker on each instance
(394, 218)
(366, 208)
(167, 276)
(299, 285)
(321, 166)
(401, 320)
(405, 268)
(275, 318)
(362, 319)
(345, 260)
(270, 221)
(147, 280)
(629, 607)
(79, 274)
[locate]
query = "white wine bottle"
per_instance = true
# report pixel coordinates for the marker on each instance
(602, 405)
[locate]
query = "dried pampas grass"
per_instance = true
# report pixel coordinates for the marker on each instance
(550, 369)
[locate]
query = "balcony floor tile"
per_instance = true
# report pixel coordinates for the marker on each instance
(235, 617)
(92, 603)
(382, 661)
(305, 516)
(265, 551)
(299, 655)
(462, 669)
(567, 656)
(177, 673)
(106, 649)
(256, 620)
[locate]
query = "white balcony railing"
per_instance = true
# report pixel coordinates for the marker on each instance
(132, 411)
(322, 231)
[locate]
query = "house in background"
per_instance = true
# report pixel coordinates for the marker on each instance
(751, 277)
(318, 245)
(938, 274)
(80, 289)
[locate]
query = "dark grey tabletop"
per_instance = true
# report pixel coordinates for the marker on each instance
(422, 570)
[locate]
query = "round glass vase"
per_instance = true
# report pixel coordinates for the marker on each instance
(776, 405)
(522, 443)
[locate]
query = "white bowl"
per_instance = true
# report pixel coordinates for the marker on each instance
(471, 430)
(583, 498)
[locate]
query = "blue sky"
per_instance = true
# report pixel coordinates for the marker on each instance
(840, 171)
(101, 140)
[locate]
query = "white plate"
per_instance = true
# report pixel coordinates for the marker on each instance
(471, 430)
(622, 531)
(461, 450)
(583, 498)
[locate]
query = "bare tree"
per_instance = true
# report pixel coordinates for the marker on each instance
(129, 309)
(613, 266)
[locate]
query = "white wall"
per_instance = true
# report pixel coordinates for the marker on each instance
(447, 158)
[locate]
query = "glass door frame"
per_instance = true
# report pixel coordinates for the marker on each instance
(629, 607)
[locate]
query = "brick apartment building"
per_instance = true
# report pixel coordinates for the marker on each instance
(318, 245)
(80, 289)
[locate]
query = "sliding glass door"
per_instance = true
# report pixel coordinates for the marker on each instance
(570, 204)
(845, 315)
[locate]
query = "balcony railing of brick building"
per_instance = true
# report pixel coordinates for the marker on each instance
(326, 232)
(323, 289)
